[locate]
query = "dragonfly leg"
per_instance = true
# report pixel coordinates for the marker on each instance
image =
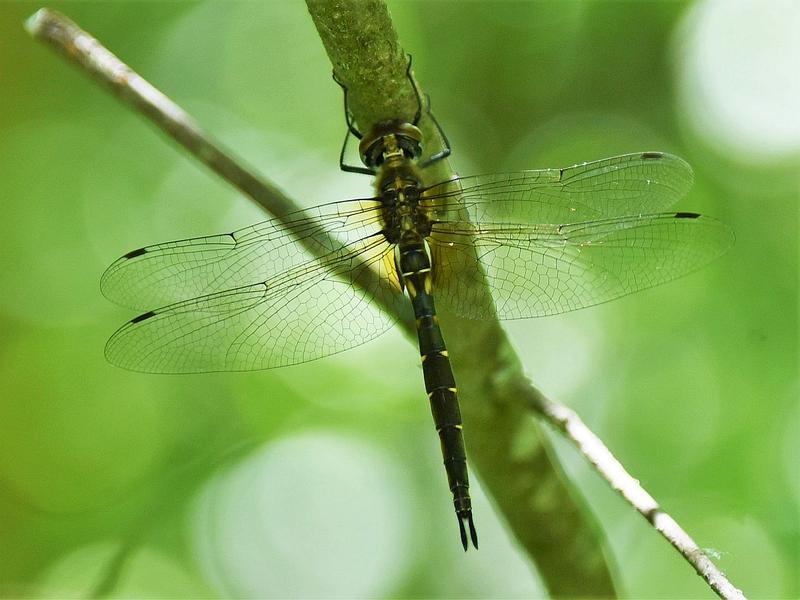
(446, 149)
(410, 77)
(445, 143)
(353, 131)
(348, 116)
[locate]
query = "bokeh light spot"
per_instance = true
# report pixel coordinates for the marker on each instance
(314, 515)
(738, 76)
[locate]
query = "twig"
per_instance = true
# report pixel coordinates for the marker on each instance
(85, 51)
(571, 546)
(592, 447)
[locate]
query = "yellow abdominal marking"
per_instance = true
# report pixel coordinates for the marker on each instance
(459, 427)
(410, 273)
(453, 390)
(439, 352)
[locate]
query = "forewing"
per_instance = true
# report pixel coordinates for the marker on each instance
(308, 312)
(543, 270)
(631, 184)
(181, 270)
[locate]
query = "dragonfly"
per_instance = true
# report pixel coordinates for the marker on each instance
(289, 291)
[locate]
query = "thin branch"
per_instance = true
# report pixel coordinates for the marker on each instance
(553, 528)
(592, 447)
(86, 52)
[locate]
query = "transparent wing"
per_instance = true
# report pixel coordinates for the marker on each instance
(538, 270)
(632, 184)
(174, 271)
(310, 311)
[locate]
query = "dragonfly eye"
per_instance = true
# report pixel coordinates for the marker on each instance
(409, 139)
(372, 154)
(391, 136)
(410, 146)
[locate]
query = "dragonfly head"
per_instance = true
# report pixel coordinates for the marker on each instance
(388, 141)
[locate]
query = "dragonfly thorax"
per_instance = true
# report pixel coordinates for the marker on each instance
(403, 217)
(392, 148)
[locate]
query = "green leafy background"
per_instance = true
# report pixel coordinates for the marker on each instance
(324, 480)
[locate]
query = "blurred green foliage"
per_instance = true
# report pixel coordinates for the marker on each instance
(139, 485)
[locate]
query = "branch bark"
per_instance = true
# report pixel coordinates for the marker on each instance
(507, 446)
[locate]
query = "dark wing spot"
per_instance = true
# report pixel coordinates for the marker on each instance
(686, 215)
(146, 315)
(652, 155)
(135, 253)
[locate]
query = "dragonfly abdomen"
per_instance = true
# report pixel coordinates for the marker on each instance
(440, 385)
